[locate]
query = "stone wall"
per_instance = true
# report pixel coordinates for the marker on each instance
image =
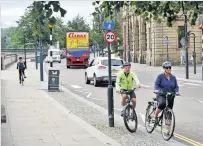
(147, 40)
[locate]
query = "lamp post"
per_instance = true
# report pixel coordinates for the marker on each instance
(194, 53)
(201, 27)
(167, 47)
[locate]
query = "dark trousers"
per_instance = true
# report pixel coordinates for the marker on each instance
(161, 100)
(21, 71)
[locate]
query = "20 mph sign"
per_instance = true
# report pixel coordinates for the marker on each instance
(110, 37)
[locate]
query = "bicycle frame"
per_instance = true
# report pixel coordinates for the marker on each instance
(167, 95)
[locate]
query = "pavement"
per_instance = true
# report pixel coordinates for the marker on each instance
(78, 114)
(34, 118)
(187, 108)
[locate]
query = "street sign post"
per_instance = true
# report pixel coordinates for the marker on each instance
(110, 37)
(108, 24)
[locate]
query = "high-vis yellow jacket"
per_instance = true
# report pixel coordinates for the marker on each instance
(127, 83)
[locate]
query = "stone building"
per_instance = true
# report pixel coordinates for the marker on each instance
(147, 40)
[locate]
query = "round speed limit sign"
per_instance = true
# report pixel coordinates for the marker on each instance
(110, 37)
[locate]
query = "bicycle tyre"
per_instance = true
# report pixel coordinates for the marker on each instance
(172, 122)
(22, 80)
(125, 118)
(146, 119)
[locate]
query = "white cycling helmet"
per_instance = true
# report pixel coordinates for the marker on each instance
(166, 64)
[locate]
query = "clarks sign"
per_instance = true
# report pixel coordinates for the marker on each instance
(76, 40)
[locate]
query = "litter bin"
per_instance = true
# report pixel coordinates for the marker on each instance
(53, 80)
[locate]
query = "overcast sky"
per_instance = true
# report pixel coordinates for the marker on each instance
(12, 10)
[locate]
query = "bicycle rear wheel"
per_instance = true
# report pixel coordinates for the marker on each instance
(130, 115)
(22, 80)
(168, 120)
(149, 124)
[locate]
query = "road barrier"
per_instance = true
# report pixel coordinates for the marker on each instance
(7, 60)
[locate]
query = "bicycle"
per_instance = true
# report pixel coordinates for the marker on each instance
(126, 113)
(167, 114)
(22, 78)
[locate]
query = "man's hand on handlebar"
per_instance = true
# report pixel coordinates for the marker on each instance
(156, 91)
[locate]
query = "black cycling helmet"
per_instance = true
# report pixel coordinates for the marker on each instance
(166, 64)
(20, 58)
(126, 64)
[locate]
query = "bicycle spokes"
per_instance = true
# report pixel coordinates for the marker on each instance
(130, 118)
(168, 125)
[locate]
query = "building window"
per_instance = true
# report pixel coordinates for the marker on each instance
(180, 35)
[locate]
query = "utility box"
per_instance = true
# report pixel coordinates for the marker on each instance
(53, 80)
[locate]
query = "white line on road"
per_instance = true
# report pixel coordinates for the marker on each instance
(145, 86)
(143, 117)
(89, 95)
(118, 109)
(200, 101)
(180, 85)
(75, 86)
(192, 84)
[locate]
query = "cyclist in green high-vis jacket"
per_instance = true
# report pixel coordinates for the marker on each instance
(127, 80)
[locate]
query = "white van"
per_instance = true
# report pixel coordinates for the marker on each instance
(56, 57)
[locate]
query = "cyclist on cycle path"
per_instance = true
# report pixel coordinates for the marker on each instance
(21, 68)
(127, 80)
(165, 82)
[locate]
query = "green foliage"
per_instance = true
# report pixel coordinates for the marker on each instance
(78, 23)
(157, 10)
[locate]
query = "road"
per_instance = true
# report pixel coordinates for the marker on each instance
(188, 108)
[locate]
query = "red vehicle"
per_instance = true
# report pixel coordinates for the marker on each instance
(77, 48)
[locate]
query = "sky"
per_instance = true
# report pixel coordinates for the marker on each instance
(12, 10)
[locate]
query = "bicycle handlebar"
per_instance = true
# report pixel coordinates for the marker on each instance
(166, 93)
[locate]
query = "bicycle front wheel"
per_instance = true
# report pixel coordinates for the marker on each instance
(129, 116)
(168, 124)
(148, 118)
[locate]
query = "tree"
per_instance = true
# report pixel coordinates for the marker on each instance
(44, 10)
(169, 11)
(78, 23)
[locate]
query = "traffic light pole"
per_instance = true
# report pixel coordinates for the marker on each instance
(40, 48)
(51, 62)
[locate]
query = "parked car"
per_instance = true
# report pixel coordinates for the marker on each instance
(97, 70)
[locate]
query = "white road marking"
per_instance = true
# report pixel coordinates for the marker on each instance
(192, 84)
(145, 86)
(118, 109)
(89, 95)
(75, 86)
(98, 99)
(180, 85)
(200, 101)
(143, 117)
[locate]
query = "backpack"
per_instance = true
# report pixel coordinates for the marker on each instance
(21, 65)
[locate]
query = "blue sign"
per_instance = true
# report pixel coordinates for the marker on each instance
(167, 42)
(38, 59)
(109, 24)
